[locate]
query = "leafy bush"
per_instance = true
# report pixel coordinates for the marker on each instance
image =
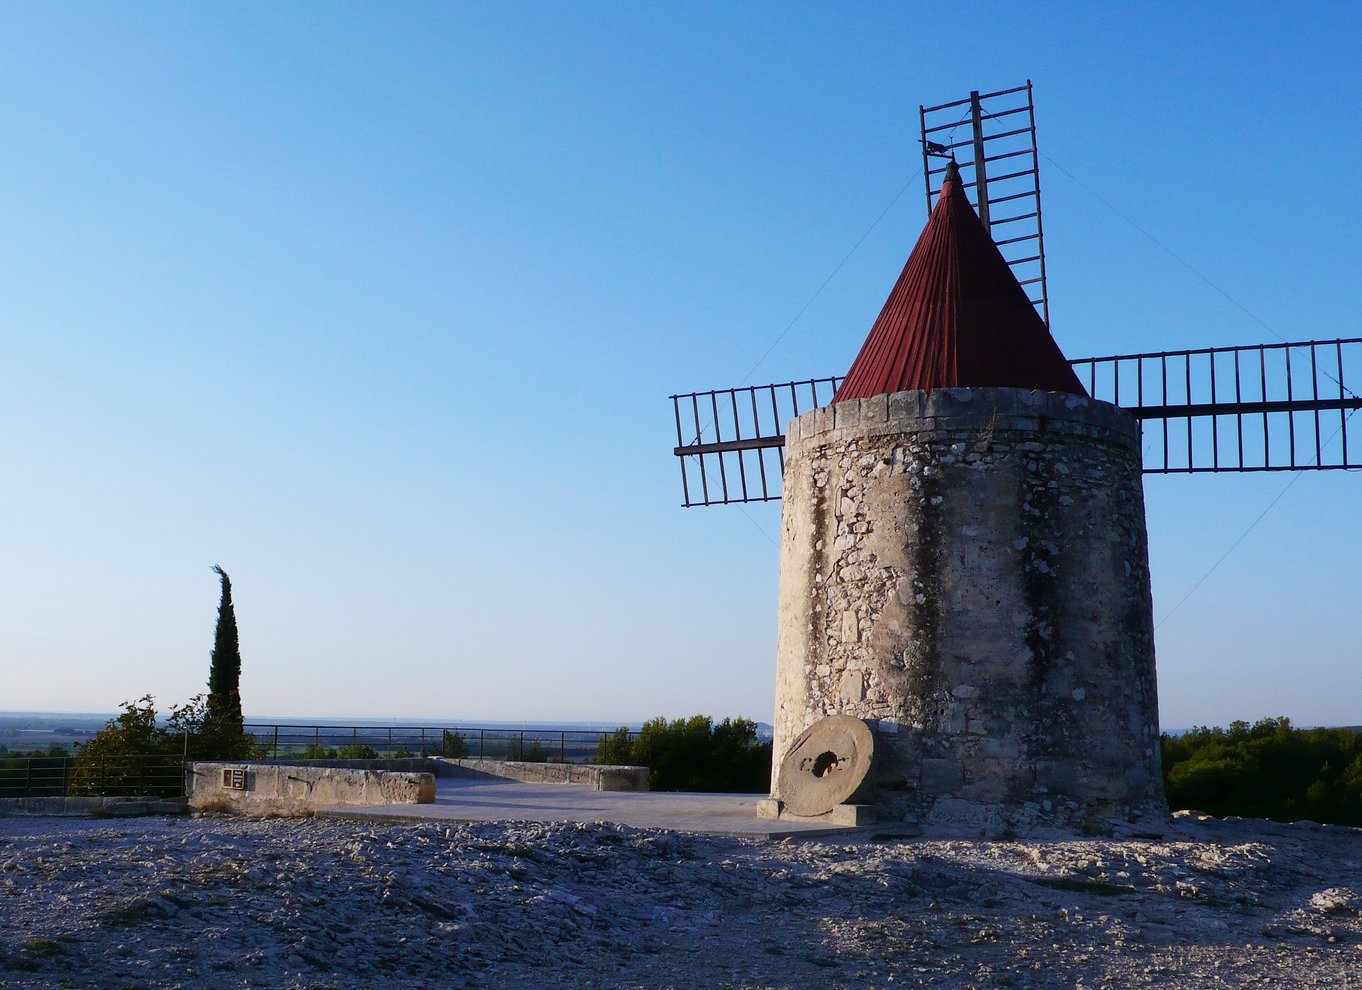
(454, 745)
(131, 755)
(357, 751)
(121, 757)
(134, 733)
(210, 739)
(1266, 770)
(694, 754)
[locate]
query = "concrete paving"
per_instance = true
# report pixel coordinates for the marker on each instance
(492, 799)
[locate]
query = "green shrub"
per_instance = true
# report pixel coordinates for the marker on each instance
(454, 745)
(694, 754)
(616, 750)
(1266, 770)
(132, 754)
(357, 751)
(137, 732)
(208, 739)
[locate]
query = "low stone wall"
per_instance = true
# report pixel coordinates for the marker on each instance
(600, 778)
(92, 807)
(290, 789)
(404, 764)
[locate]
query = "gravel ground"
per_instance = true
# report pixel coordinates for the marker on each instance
(225, 902)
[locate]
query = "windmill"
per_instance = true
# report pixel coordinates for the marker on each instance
(965, 616)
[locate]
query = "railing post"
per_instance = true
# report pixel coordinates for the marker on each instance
(276, 743)
(28, 777)
(390, 741)
(562, 746)
(482, 735)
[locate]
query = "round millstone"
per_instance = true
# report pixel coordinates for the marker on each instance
(825, 765)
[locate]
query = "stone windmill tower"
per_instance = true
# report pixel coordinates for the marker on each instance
(964, 566)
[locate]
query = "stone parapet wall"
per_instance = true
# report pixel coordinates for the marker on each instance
(967, 570)
(286, 789)
(91, 807)
(404, 764)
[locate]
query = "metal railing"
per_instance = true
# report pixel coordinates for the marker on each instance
(543, 745)
(91, 776)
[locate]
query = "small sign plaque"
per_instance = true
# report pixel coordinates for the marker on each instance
(234, 778)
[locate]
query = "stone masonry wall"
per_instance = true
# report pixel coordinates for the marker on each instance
(967, 570)
(290, 789)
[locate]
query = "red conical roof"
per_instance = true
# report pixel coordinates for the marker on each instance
(957, 318)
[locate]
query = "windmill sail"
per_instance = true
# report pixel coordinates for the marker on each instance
(1261, 407)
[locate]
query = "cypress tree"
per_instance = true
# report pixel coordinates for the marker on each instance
(223, 716)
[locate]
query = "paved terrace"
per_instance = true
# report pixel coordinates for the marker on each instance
(489, 799)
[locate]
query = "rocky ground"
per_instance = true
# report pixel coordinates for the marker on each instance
(221, 902)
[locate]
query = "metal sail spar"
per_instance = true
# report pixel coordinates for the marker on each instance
(1262, 407)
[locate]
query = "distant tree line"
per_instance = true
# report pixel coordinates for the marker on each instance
(1269, 769)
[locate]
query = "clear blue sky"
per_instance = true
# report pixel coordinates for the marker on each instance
(379, 306)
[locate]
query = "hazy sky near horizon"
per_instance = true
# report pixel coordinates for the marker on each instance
(379, 307)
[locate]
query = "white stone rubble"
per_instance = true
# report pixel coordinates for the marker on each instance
(232, 903)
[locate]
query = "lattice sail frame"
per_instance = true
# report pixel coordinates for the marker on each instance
(1000, 171)
(1263, 407)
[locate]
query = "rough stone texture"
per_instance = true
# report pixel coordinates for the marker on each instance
(309, 904)
(284, 789)
(597, 777)
(406, 764)
(967, 570)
